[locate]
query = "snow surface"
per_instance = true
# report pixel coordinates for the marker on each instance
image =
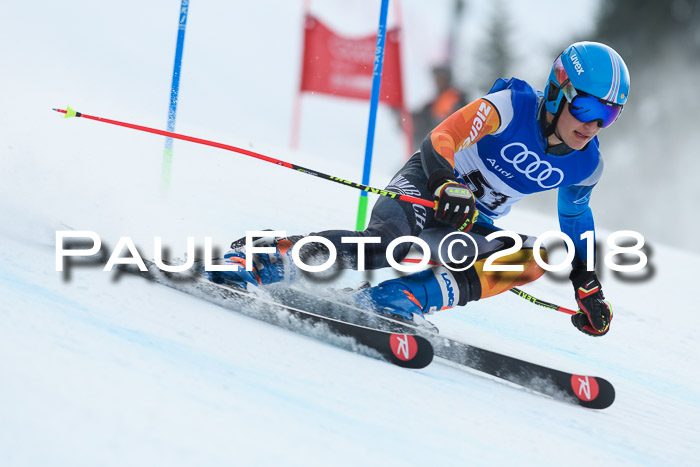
(100, 370)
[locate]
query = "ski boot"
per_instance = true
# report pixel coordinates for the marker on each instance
(411, 297)
(268, 268)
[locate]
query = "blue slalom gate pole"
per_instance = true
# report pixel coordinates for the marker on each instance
(174, 90)
(374, 102)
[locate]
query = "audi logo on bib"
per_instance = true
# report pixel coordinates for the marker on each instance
(529, 163)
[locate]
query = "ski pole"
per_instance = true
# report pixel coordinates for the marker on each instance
(542, 303)
(389, 194)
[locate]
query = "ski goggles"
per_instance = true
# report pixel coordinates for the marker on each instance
(582, 106)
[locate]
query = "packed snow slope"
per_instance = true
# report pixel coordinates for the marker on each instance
(100, 370)
(103, 370)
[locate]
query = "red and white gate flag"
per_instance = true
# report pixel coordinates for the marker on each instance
(343, 67)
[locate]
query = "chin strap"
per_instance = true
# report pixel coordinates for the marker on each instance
(560, 149)
(548, 130)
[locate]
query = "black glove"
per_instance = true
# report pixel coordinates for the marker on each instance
(455, 205)
(595, 314)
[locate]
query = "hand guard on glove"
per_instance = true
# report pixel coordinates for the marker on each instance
(595, 314)
(455, 205)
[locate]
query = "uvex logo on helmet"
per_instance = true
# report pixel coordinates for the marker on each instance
(577, 64)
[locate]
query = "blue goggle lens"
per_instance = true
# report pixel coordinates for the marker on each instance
(586, 108)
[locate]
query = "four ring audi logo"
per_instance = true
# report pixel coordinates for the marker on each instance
(529, 163)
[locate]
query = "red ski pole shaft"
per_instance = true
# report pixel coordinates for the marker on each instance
(410, 199)
(542, 303)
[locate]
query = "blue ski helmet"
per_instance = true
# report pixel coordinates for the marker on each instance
(593, 78)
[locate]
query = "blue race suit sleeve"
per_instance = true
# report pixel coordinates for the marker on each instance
(575, 216)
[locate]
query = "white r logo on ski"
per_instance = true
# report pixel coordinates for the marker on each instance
(585, 387)
(404, 346)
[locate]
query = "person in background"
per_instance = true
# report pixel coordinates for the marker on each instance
(448, 100)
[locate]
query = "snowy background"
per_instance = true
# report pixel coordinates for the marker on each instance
(95, 371)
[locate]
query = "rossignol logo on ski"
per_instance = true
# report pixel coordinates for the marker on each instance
(585, 387)
(404, 346)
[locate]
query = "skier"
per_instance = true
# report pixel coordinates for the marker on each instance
(476, 164)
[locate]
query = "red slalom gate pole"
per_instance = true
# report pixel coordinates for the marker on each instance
(389, 194)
